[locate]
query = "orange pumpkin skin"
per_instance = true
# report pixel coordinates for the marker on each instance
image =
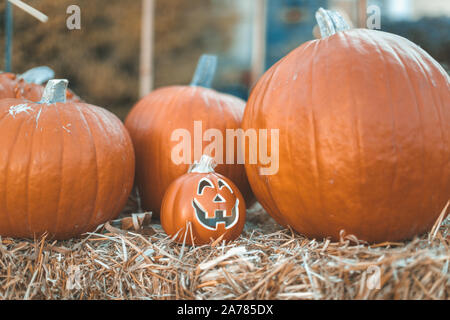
(8, 82)
(364, 120)
(152, 122)
(65, 168)
(209, 203)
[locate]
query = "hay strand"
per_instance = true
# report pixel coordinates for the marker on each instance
(123, 260)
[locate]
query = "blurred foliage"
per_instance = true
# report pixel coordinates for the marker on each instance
(101, 60)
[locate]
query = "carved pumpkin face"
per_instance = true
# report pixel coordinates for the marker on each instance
(215, 203)
(206, 204)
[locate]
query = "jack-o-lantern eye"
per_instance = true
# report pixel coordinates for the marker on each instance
(204, 183)
(222, 184)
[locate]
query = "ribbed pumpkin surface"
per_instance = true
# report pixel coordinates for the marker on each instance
(364, 120)
(64, 168)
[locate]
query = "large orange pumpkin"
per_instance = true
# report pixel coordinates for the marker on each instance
(154, 120)
(65, 167)
(364, 136)
(202, 205)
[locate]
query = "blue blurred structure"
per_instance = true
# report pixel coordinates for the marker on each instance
(432, 34)
(289, 24)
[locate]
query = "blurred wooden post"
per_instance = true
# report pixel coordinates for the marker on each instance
(362, 13)
(259, 40)
(9, 35)
(147, 36)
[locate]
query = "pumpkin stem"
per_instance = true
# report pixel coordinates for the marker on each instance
(330, 22)
(205, 165)
(205, 72)
(38, 75)
(55, 91)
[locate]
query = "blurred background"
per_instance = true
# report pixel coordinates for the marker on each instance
(102, 59)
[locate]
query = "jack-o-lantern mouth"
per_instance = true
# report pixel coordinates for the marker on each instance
(220, 216)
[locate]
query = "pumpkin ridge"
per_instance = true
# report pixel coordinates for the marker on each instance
(118, 169)
(315, 133)
(94, 203)
(86, 125)
(412, 88)
(261, 88)
(6, 171)
(290, 162)
(61, 176)
(304, 220)
(259, 100)
(435, 105)
(356, 131)
(176, 198)
(394, 125)
(159, 179)
(173, 205)
(31, 213)
(27, 200)
(100, 126)
(70, 145)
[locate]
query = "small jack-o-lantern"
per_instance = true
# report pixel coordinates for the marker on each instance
(203, 205)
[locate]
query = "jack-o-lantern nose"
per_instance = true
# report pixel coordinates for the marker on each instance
(219, 199)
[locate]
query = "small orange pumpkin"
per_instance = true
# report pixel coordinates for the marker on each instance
(203, 205)
(29, 85)
(65, 167)
(33, 92)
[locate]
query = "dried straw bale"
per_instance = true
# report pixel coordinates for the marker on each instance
(266, 262)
